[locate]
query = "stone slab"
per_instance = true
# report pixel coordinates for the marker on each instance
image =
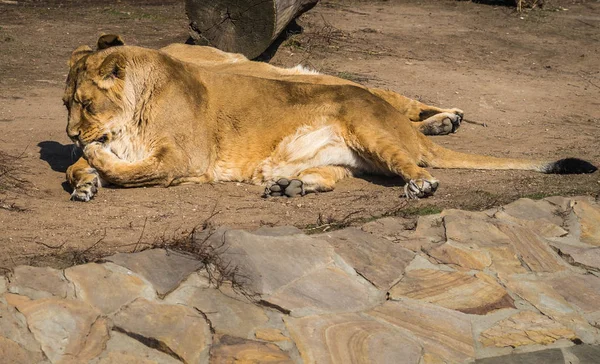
(68, 330)
(178, 330)
(525, 328)
(230, 349)
(36, 282)
(443, 333)
(164, 269)
(351, 338)
(228, 312)
(122, 349)
(584, 257)
(473, 229)
(270, 262)
(13, 353)
(533, 249)
(533, 210)
(107, 286)
(460, 255)
(478, 294)
(378, 260)
(326, 290)
(588, 216)
(549, 356)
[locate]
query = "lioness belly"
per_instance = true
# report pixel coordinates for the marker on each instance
(308, 147)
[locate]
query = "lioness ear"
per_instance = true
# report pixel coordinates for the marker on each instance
(109, 40)
(112, 69)
(78, 54)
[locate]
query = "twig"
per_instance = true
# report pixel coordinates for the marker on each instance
(475, 122)
(141, 235)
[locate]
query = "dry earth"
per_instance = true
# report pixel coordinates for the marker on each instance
(533, 78)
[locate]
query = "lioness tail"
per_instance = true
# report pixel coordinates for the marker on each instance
(440, 157)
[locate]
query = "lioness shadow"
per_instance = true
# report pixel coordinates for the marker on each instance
(59, 157)
(386, 181)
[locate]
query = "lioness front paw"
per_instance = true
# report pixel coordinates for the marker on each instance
(419, 188)
(285, 187)
(85, 191)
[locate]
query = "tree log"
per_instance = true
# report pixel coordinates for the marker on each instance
(242, 26)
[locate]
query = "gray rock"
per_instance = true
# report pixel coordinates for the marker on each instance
(270, 262)
(378, 260)
(550, 356)
(390, 228)
(277, 231)
(527, 209)
(108, 286)
(587, 354)
(326, 290)
(35, 282)
(473, 228)
(164, 269)
(180, 331)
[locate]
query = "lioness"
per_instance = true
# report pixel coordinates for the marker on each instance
(144, 117)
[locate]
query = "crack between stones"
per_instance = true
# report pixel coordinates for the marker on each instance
(150, 342)
(569, 259)
(208, 321)
(273, 306)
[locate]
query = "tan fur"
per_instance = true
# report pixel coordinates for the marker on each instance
(144, 117)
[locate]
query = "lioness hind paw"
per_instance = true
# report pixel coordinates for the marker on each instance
(420, 188)
(85, 191)
(285, 187)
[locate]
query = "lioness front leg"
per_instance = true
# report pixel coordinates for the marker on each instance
(111, 168)
(84, 180)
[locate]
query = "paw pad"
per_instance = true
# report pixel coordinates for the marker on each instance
(285, 187)
(420, 188)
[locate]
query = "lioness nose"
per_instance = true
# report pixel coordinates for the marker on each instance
(73, 134)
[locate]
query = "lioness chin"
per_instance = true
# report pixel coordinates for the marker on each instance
(145, 117)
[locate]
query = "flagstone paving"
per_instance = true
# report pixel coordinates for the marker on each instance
(516, 284)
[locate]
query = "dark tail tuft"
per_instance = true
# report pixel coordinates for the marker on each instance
(570, 166)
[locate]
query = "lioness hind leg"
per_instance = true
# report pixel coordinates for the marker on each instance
(439, 124)
(318, 179)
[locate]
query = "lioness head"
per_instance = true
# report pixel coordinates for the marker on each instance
(94, 93)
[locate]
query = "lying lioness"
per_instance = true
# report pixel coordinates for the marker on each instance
(191, 114)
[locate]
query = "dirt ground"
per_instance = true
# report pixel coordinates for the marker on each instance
(533, 78)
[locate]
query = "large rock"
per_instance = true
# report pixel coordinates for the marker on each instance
(478, 294)
(541, 227)
(443, 333)
(525, 328)
(389, 228)
(230, 349)
(177, 330)
(228, 312)
(164, 269)
(270, 262)
(378, 260)
(35, 282)
(549, 356)
(68, 330)
(326, 290)
(351, 338)
(121, 349)
(108, 286)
